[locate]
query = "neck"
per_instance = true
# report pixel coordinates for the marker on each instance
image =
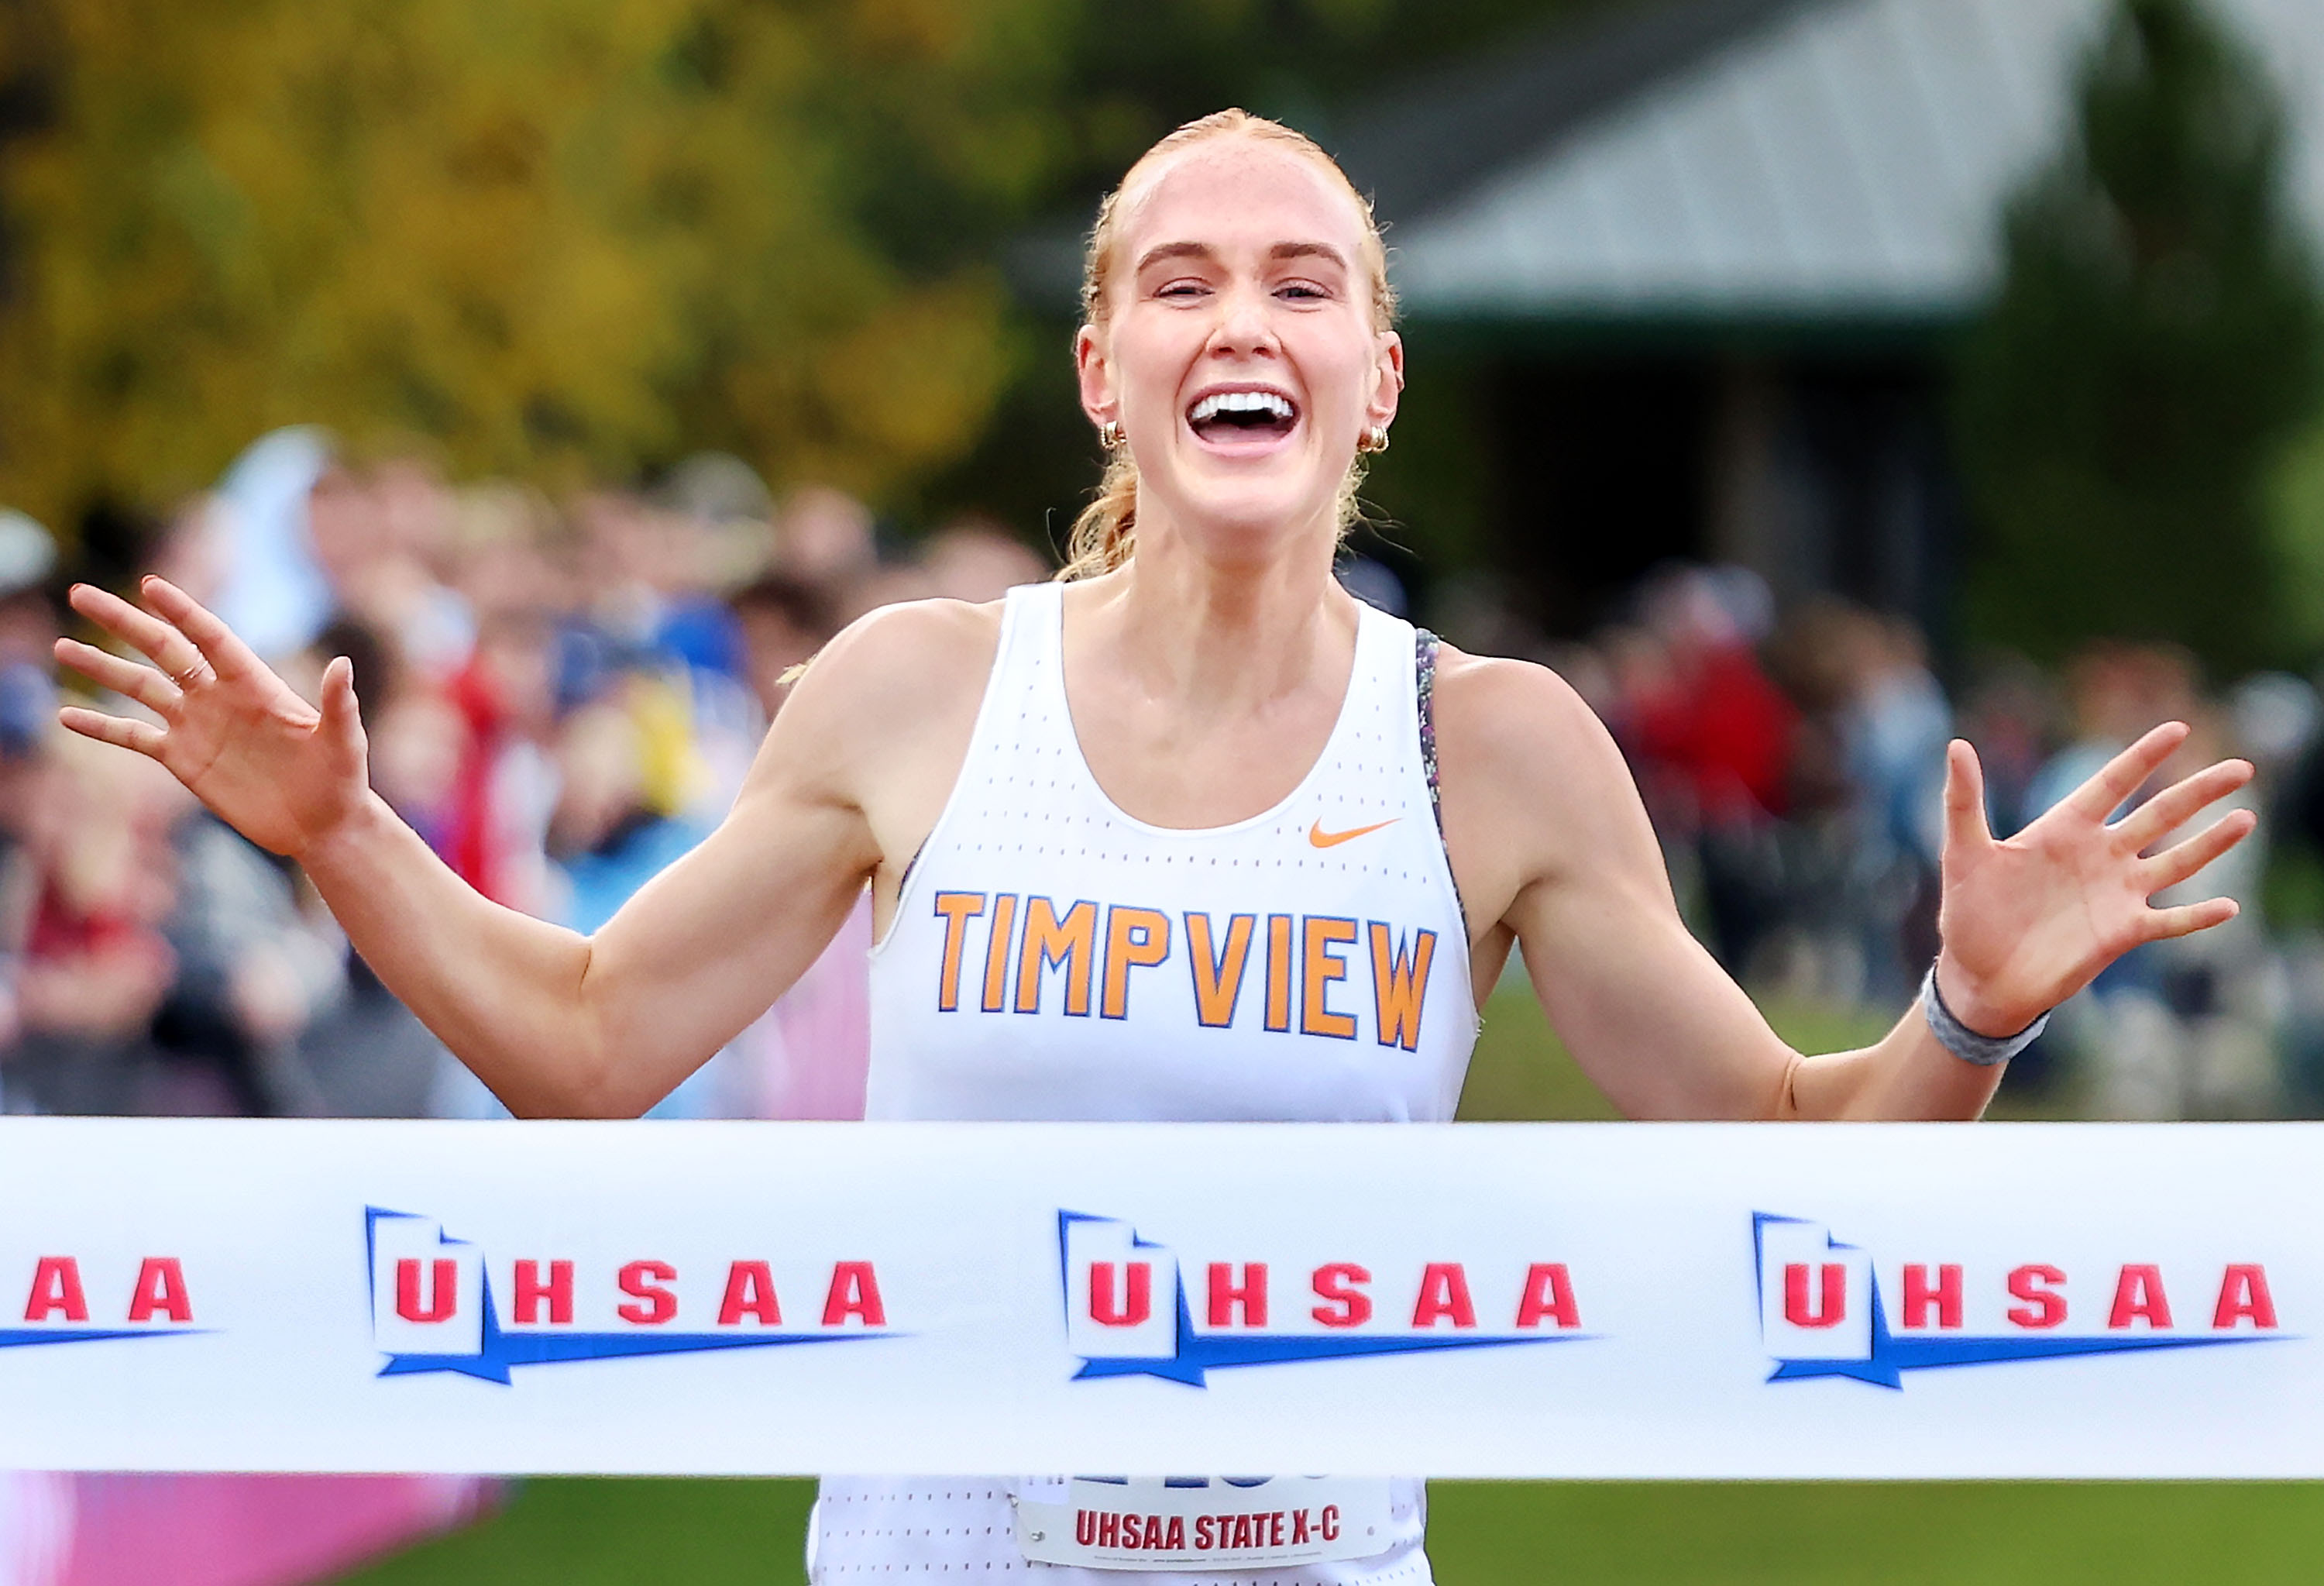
(1191, 624)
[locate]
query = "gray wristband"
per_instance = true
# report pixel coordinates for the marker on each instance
(1965, 1043)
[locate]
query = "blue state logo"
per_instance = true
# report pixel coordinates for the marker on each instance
(435, 1306)
(1130, 1312)
(1825, 1312)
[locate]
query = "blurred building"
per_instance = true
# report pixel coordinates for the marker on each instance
(1689, 271)
(1679, 278)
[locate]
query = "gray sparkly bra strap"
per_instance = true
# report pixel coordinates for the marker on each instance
(1425, 672)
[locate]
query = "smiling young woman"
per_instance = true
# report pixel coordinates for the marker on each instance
(1230, 411)
(1308, 834)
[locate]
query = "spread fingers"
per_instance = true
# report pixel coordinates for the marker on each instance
(160, 643)
(124, 677)
(2190, 917)
(2176, 805)
(2175, 863)
(2103, 794)
(143, 737)
(225, 652)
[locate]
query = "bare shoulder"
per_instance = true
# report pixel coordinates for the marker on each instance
(1514, 725)
(881, 724)
(1534, 787)
(899, 670)
(907, 640)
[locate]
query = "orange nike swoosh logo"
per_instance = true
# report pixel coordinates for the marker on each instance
(1324, 839)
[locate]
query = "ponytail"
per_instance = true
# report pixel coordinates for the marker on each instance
(1106, 532)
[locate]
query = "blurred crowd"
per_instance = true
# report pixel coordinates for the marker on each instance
(561, 697)
(564, 696)
(1793, 764)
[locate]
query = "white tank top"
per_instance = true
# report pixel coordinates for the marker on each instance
(1053, 958)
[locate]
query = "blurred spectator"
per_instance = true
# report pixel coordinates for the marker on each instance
(2276, 716)
(2011, 716)
(28, 619)
(272, 591)
(976, 560)
(562, 699)
(1713, 739)
(2172, 1027)
(607, 837)
(807, 1056)
(823, 536)
(784, 621)
(496, 823)
(887, 584)
(1843, 887)
(253, 971)
(2114, 693)
(1866, 829)
(1588, 672)
(187, 986)
(1713, 720)
(729, 515)
(2225, 1005)
(1897, 726)
(1473, 610)
(718, 487)
(94, 883)
(193, 549)
(562, 696)
(381, 539)
(85, 880)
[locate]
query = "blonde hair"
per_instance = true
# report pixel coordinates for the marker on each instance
(1106, 532)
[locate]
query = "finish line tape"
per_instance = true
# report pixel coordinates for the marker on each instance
(1522, 1300)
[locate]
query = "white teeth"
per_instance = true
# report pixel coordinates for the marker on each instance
(1239, 401)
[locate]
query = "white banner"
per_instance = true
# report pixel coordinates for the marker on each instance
(1535, 1300)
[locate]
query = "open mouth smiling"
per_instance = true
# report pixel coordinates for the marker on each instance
(1242, 419)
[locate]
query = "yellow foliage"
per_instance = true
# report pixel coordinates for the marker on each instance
(563, 237)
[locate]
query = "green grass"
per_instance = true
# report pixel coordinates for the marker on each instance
(1522, 1071)
(1519, 1534)
(569, 1532)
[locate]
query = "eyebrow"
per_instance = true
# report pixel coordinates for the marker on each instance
(1167, 250)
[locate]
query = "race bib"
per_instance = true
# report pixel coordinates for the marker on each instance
(1203, 1522)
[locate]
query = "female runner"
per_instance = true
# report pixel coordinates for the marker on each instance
(1309, 835)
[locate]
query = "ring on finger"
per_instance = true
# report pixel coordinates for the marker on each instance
(186, 678)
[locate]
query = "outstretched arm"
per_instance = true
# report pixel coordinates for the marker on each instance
(2026, 922)
(555, 1023)
(1547, 833)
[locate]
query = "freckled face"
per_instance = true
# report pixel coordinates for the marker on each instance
(1240, 356)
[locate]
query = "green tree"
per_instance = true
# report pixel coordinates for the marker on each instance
(2155, 339)
(568, 237)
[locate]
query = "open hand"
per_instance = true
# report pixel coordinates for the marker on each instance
(2029, 921)
(277, 770)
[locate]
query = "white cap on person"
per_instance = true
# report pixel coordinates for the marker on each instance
(27, 552)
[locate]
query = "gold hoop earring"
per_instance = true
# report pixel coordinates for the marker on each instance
(1374, 441)
(1110, 435)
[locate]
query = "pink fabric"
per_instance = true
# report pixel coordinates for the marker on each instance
(36, 1518)
(140, 1530)
(813, 1048)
